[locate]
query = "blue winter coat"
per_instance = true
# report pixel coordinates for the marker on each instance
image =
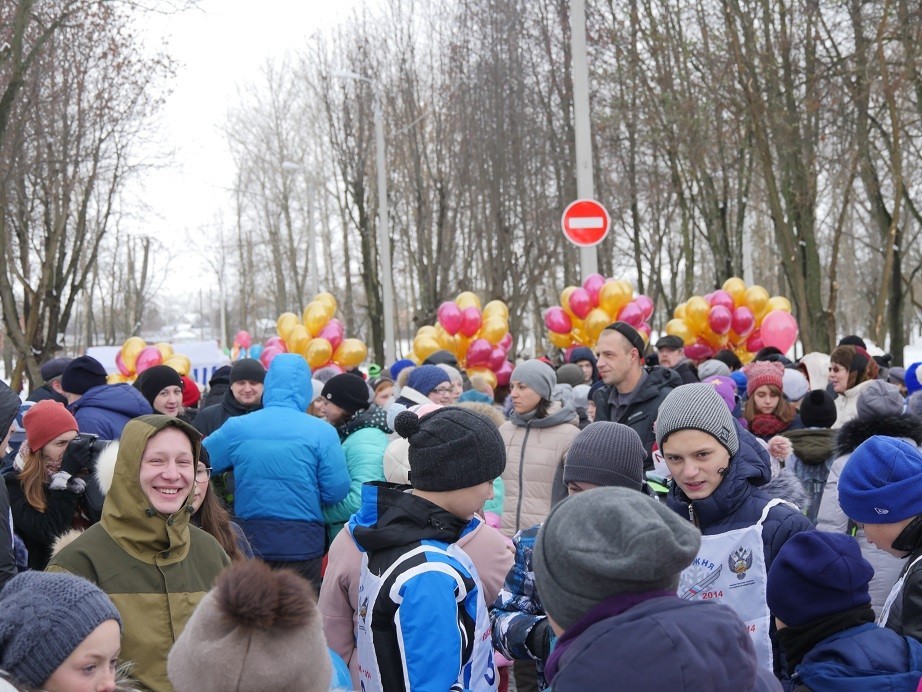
(106, 409)
(287, 465)
(862, 658)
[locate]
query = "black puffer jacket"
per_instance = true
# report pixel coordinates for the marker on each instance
(906, 613)
(210, 419)
(641, 413)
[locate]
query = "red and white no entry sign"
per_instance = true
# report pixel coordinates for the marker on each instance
(585, 222)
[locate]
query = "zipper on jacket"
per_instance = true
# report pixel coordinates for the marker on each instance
(691, 513)
(518, 504)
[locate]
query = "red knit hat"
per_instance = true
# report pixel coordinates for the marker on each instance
(46, 420)
(190, 392)
(762, 372)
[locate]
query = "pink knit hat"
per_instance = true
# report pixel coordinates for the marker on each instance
(763, 372)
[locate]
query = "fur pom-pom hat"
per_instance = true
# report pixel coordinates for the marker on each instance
(264, 628)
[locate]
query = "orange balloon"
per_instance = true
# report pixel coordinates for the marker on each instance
(315, 317)
(485, 372)
(297, 339)
(460, 345)
(613, 296)
(425, 346)
(179, 363)
(493, 330)
(285, 323)
(757, 301)
(580, 336)
(327, 300)
(131, 349)
(736, 287)
(565, 300)
(496, 308)
(560, 340)
(116, 378)
(595, 322)
(350, 353)
(318, 352)
(467, 299)
(165, 349)
(681, 329)
(778, 303)
(696, 313)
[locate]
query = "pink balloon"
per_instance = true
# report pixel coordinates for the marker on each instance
(148, 358)
(631, 313)
(580, 302)
(754, 342)
(479, 352)
(497, 358)
(569, 352)
(645, 328)
(269, 352)
(721, 298)
(120, 364)
(333, 332)
(646, 304)
(557, 320)
(593, 284)
(779, 329)
(278, 342)
(699, 351)
(720, 318)
(471, 319)
(449, 315)
(503, 373)
(243, 339)
(743, 321)
(506, 342)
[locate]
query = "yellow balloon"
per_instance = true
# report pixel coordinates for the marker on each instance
(595, 322)
(613, 296)
(679, 312)
(680, 329)
(580, 336)
(165, 349)
(460, 345)
(560, 340)
(736, 287)
(778, 303)
(496, 308)
(488, 374)
(467, 299)
(696, 313)
(297, 339)
(425, 346)
(328, 300)
(757, 300)
(318, 352)
(493, 330)
(428, 330)
(131, 349)
(285, 323)
(565, 300)
(316, 317)
(116, 378)
(744, 354)
(350, 353)
(179, 363)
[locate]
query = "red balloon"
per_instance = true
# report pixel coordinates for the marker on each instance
(557, 320)
(503, 373)
(723, 298)
(333, 332)
(743, 321)
(506, 342)
(593, 284)
(779, 329)
(719, 319)
(243, 339)
(497, 358)
(754, 342)
(699, 351)
(478, 353)
(120, 364)
(631, 313)
(580, 302)
(471, 319)
(449, 315)
(646, 329)
(646, 304)
(148, 358)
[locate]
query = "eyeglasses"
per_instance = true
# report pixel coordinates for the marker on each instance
(442, 390)
(202, 475)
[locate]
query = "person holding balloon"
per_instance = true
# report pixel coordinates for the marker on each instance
(767, 410)
(100, 409)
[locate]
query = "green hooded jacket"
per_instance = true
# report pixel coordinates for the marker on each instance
(155, 568)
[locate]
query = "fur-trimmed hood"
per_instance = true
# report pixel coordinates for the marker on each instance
(856, 431)
(787, 486)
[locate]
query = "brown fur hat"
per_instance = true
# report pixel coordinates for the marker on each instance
(263, 626)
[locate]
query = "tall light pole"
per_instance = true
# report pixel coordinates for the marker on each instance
(384, 235)
(313, 280)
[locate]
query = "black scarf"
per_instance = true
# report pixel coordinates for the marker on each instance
(799, 641)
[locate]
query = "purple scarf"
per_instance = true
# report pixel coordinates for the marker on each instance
(609, 608)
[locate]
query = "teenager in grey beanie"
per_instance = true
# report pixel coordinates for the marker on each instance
(605, 542)
(880, 399)
(43, 618)
(711, 368)
(537, 376)
(606, 454)
(697, 407)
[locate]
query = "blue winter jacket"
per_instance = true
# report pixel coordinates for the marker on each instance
(862, 658)
(287, 465)
(106, 409)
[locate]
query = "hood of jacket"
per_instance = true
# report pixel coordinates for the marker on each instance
(785, 485)
(584, 353)
(558, 413)
(657, 378)
(815, 366)
(857, 430)
(288, 383)
(812, 445)
(372, 417)
(118, 398)
(749, 468)
(389, 517)
(9, 407)
(127, 514)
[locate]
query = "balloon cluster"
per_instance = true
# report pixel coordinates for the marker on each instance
(477, 336)
(136, 356)
(317, 336)
(585, 311)
(740, 318)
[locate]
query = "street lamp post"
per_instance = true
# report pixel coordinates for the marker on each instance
(384, 236)
(313, 280)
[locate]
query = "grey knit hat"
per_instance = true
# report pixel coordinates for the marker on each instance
(880, 399)
(43, 618)
(451, 448)
(537, 375)
(697, 407)
(608, 541)
(607, 454)
(571, 374)
(711, 368)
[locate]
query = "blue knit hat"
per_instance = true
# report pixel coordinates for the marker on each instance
(426, 378)
(817, 574)
(880, 483)
(912, 378)
(401, 364)
(741, 380)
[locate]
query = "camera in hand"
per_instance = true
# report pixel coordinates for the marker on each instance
(82, 453)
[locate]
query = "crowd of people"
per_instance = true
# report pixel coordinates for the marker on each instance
(627, 519)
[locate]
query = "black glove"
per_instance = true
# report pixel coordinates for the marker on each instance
(539, 639)
(79, 455)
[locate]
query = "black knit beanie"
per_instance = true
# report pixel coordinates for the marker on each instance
(247, 369)
(82, 374)
(154, 380)
(347, 391)
(818, 410)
